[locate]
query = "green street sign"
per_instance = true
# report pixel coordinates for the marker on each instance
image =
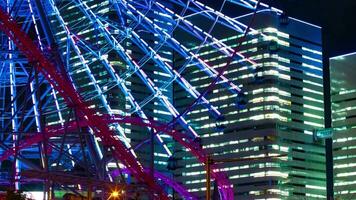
(323, 133)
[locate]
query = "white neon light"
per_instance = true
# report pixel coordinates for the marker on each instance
(117, 46)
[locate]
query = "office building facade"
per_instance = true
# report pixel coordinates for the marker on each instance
(281, 106)
(343, 93)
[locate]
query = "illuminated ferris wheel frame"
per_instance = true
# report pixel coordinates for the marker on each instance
(60, 83)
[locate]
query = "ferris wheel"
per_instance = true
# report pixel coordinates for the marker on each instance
(88, 84)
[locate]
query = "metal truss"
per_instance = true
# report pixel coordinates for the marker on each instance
(62, 61)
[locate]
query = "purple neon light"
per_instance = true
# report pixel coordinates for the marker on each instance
(51, 131)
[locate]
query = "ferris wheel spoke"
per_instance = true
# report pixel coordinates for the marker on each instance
(185, 52)
(202, 35)
(123, 87)
(141, 74)
(137, 106)
(165, 66)
(93, 81)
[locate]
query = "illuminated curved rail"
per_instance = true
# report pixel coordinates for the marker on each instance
(55, 131)
(51, 131)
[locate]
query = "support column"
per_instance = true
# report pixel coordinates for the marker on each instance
(327, 117)
(152, 152)
(208, 178)
(14, 120)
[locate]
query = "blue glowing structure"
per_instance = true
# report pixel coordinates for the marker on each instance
(108, 49)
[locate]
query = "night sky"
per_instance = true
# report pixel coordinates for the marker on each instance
(337, 17)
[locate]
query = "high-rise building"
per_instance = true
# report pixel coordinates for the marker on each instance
(281, 105)
(343, 94)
